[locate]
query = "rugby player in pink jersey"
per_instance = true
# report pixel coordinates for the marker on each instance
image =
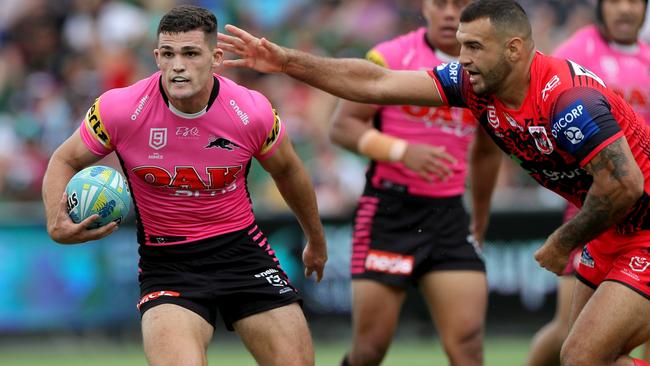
(560, 123)
(408, 216)
(185, 138)
(612, 50)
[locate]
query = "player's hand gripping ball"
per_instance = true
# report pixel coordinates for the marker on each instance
(98, 190)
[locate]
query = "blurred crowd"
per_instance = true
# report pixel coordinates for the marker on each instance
(56, 57)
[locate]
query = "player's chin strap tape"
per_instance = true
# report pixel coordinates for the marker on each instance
(381, 147)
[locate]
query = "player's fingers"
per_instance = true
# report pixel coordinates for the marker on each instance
(89, 220)
(308, 271)
(223, 38)
(441, 154)
(230, 48)
(319, 273)
(240, 33)
(425, 175)
(235, 63)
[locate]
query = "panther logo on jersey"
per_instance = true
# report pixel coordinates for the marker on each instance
(221, 143)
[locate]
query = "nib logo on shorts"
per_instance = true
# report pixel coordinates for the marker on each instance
(221, 143)
(387, 262)
(586, 259)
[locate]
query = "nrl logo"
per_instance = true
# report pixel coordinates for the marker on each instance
(157, 138)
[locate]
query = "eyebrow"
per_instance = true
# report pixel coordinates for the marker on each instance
(184, 48)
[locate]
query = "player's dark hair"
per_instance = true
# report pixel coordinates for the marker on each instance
(506, 16)
(186, 18)
(599, 11)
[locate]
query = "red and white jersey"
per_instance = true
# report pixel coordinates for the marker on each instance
(187, 173)
(624, 69)
(453, 128)
(567, 117)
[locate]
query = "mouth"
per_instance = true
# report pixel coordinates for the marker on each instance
(448, 31)
(179, 80)
(473, 76)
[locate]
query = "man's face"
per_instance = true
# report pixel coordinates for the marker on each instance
(482, 54)
(186, 61)
(623, 19)
(442, 20)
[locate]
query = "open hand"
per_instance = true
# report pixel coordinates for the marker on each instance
(256, 53)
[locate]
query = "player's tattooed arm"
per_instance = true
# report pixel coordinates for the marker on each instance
(617, 185)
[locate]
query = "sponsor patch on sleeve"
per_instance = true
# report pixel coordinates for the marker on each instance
(449, 75)
(272, 138)
(95, 125)
(376, 57)
(573, 126)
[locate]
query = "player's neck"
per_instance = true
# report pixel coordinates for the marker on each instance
(515, 87)
(196, 104)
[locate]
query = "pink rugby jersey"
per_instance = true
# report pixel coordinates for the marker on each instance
(625, 69)
(452, 128)
(187, 173)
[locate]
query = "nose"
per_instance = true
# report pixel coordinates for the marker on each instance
(178, 65)
(463, 57)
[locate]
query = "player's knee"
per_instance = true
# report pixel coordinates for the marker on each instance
(572, 354)
(465, 345)
(368, 353)
(175, 357)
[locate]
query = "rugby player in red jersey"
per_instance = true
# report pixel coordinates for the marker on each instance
(610, 48)
(561, 124)
(412, 219)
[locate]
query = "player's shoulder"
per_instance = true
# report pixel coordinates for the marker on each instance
(242, 100)
(130, 100)
(387, 53)
(584, 42)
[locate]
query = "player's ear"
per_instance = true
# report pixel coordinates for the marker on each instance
(156, 55)
(514, 49)
(217, 56)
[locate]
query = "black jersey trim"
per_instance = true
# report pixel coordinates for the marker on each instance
(213, 94)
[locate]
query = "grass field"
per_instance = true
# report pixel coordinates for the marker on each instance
(499, 352)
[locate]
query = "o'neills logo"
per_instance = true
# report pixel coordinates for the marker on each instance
(137, 111)
(154, 295)
(393, 263)
(241, 114)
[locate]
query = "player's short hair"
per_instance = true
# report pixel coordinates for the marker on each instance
(599, 11)
(186, 18)
(506, 16)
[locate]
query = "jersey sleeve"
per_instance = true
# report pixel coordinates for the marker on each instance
(583, 124)
(270, 130)
(452, 84)
(96, 127)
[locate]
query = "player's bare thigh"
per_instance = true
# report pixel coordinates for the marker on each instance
(173, 335)
(457, 299)
(278, 336)
(611, 323)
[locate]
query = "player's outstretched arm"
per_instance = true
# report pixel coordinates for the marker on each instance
(67, 160)
(618, 184)
(295, 186)
(352, 129)
(354, 79)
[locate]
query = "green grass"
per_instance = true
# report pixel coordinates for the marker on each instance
(499, 352)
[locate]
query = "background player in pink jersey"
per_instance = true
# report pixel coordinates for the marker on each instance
(200, 249)
(611, 49)
(559, 121)
(410, 211)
